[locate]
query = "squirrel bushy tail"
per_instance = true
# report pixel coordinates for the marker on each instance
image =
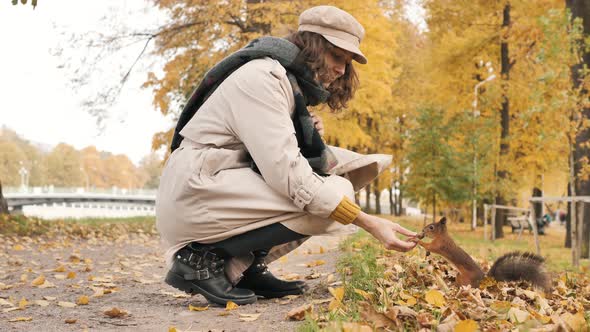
(521, 266)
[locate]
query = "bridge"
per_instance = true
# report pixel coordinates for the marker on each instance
(16, 200)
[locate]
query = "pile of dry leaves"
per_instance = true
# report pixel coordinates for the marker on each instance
(417, 293)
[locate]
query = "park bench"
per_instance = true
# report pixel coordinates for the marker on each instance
(520, 223)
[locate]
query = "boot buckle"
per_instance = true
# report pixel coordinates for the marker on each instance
(197, 275)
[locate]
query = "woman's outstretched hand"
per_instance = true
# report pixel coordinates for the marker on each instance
(386, 232)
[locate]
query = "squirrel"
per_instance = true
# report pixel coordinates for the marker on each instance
(509, 267)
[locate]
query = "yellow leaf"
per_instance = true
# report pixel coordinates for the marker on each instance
(316, 263)
(322, 250)
(501, 307)
(71, 275)
(18, 247)
(172, 329)
(435, 298)
(71, 321)
(334, 304)
(23, 303)
(337, 293)
(24, 277)
(40, 280)
(21, 319)
(230, 306)
(82, 300)
(541, 318)
(362, 293)
(193, 308)
(283, 259)
(468, 325)
(60, 268)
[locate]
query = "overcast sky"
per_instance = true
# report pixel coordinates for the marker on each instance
(38, 101)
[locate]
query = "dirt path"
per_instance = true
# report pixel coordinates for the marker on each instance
(128, 275)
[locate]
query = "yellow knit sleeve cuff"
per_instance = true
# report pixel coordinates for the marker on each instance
(346, 212)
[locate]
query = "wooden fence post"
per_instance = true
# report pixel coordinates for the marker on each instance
(493, 223)
(485, 222)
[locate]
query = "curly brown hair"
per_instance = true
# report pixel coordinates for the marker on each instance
(313, 47)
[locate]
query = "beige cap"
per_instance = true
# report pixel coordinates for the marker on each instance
(337, 26)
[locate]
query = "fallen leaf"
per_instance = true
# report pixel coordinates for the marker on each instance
(468, 325)
(41, 303)
(115, 313)
(338, 294)
(5, 303)
(172, 329)
(18, 247)
(60, 268)
(21, 319)
(298, 313)
(435, 298)
(193, 308)
(501, 307)
(50, 298)
(377, 319)
(231, 306)
(364, 294)
(40, 280)
(66, 304)
(82, 300)
(249, 317)
(575, 322)
(71, 275)
(23, 303)
(71, 321)
(316, 263)
(47, 284)
(292, 276)
(517, 316)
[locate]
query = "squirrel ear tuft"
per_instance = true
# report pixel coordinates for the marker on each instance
(443, 220)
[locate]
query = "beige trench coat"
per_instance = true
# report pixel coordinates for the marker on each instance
(208, 192)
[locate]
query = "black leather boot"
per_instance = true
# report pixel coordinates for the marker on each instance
(199, 269)
(259, 279)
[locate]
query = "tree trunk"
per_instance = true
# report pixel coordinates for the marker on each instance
(3, 204)
(433, 206)
(505, 118)
(581, 9)
(391, 203)
(368, 198)
(568, 221)
(377, 196)
(538, 206)
(399, 201)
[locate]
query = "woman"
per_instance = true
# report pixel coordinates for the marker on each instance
(250, 179)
